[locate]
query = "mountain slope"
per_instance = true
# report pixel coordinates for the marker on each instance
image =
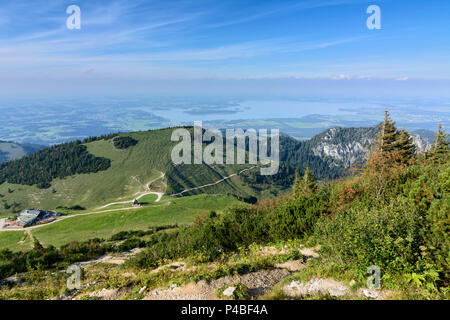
(97, 171)
(331, 153)
(128, 174)
(11, 150)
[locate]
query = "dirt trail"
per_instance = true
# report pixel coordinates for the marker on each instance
(214, 183)
(257, 283)
(148, 192)
(159, 194)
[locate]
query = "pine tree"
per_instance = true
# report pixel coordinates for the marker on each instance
(440, 149)
(309, 181)
(405, 145)
(37, 245)
(297, 187)
(387, 139)
(304, 185)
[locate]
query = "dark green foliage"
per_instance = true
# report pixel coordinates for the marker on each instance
(131, 244)
(40, 258)
(440, 149)
(387, 138)
(45, 165)
(14, 206)
(309, 181)
(392, 140)
(208, 237)
(102, 137)
(247, 199)
(124, 142)
(405, 145)
(212, 214)
(295, 217)
(74, 208)
(90, 249)
(388, 237)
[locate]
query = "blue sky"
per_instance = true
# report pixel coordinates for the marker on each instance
(127, 45)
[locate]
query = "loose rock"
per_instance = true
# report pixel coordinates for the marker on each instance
(229, 292)
(316, 286)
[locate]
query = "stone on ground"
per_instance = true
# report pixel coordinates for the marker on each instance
(229, 292)
(316, 286)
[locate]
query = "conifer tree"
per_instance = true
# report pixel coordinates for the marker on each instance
(297, 187)
(405, 145)
(309, 181)
(440, 149)
(387, 139)
(37, 245)
(304, 185)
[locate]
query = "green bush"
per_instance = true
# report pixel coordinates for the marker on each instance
(388, 237)
(296, 217)
(131, 244)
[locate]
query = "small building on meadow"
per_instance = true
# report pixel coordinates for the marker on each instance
(28, 217)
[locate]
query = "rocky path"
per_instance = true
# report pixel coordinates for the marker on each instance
(257, 283)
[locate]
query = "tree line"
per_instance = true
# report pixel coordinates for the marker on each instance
(59, 161)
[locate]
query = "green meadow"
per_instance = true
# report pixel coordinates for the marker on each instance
(169, 211)
(15, 241)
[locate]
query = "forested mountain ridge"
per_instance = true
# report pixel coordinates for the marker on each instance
(331, 153)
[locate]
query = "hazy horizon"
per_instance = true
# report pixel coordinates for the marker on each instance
(135, 65)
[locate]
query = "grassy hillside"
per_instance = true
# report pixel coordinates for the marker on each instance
(130, 172)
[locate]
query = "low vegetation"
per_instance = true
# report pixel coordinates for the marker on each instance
(48, 258)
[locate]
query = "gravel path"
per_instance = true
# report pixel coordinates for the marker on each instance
(257, 283)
